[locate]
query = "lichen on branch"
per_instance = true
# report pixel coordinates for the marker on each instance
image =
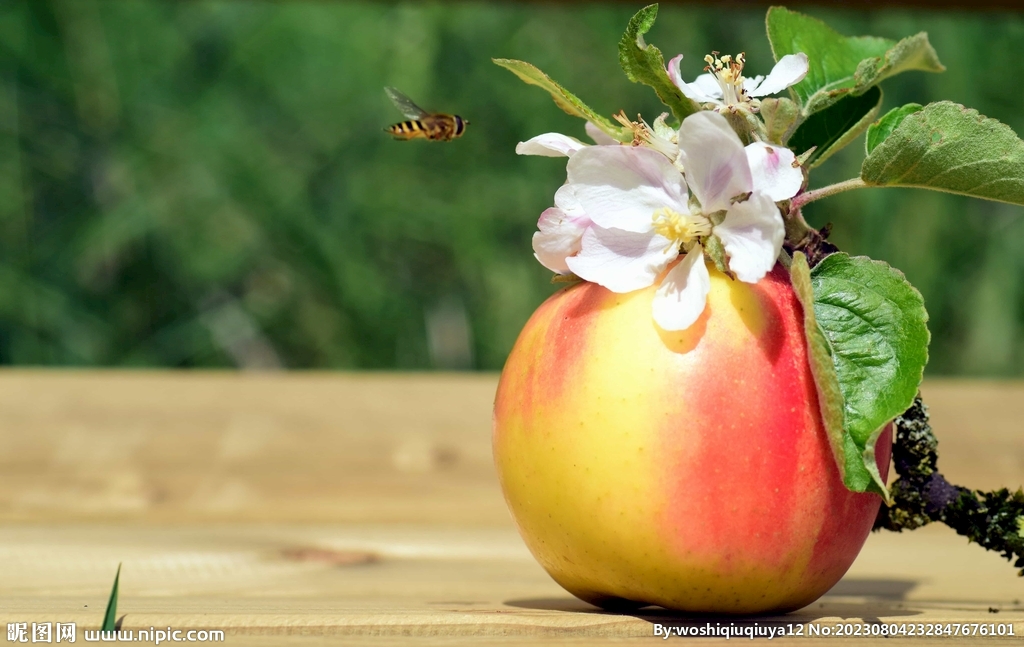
(922, 494)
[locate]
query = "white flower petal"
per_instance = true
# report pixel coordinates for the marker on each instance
(621, 261)
(772, 170)
(600, 137)
(716, 166)
(708, 84)
(565, 199)
(683, 292)
(790, 70)
(752, 234)
(699, 91)
(622, 186)
(751, 83)
(558, 238)
(550, 145)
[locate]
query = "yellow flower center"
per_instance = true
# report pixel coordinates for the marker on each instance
(680, 228)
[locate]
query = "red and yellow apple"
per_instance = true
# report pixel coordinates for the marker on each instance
(688, 469)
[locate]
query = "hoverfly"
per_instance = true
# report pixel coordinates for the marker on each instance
(433, 126)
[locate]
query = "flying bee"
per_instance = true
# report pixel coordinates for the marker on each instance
(434, 126)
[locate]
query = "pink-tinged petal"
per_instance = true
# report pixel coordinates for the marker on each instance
(621, 261)
(600, 137)
(683, 293)
(672, 68)
(716, 166)
(565, 199)
(752, 234)
(550, 145)
(790, 70)
(622, 186)
(773, 172)
(699, 91)
(558, 238)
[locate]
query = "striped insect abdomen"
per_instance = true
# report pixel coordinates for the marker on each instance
(408, 129)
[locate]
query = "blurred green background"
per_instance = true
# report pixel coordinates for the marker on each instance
(208, 184)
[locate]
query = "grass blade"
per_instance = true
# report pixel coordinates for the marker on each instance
(110, 617)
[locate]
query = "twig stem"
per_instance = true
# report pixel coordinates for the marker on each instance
(825, 191)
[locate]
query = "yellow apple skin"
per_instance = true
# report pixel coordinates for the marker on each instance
(689, 469)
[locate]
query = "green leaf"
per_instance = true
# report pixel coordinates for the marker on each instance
(644, 63)
(110, 617)
(841, 65)
(564, 99)
(780, 117)
(836, 126)
(881, 129)
(947, 147)
(875, 325)
(911, 53)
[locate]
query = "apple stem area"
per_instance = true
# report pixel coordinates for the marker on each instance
(922, 495)
(813, 243)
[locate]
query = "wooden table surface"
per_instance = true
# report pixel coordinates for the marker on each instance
(315, 508)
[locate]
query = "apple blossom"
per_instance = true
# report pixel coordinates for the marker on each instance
(725, 88)
(642, 218)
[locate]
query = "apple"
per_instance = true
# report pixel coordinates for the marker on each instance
(688, 469)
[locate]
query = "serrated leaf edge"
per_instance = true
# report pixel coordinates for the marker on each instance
(826, 382)
(631, 43)
(895, 183)
(819, 356)
(869, 446)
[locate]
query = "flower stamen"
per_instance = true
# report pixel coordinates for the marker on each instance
(645, 135)
(640, 130)
(680, 228)
(728, 71)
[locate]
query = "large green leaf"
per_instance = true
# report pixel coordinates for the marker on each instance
(564, 99)
(836, 126)
(843, 65)
(644, 63)
(875, 326)
(947, 147)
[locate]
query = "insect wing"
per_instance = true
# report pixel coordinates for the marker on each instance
(405, 104)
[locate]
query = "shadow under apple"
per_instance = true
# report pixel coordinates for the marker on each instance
(863, 599)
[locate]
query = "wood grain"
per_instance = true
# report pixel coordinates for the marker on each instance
(425, 582)
(329, 508)
(237, 446)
